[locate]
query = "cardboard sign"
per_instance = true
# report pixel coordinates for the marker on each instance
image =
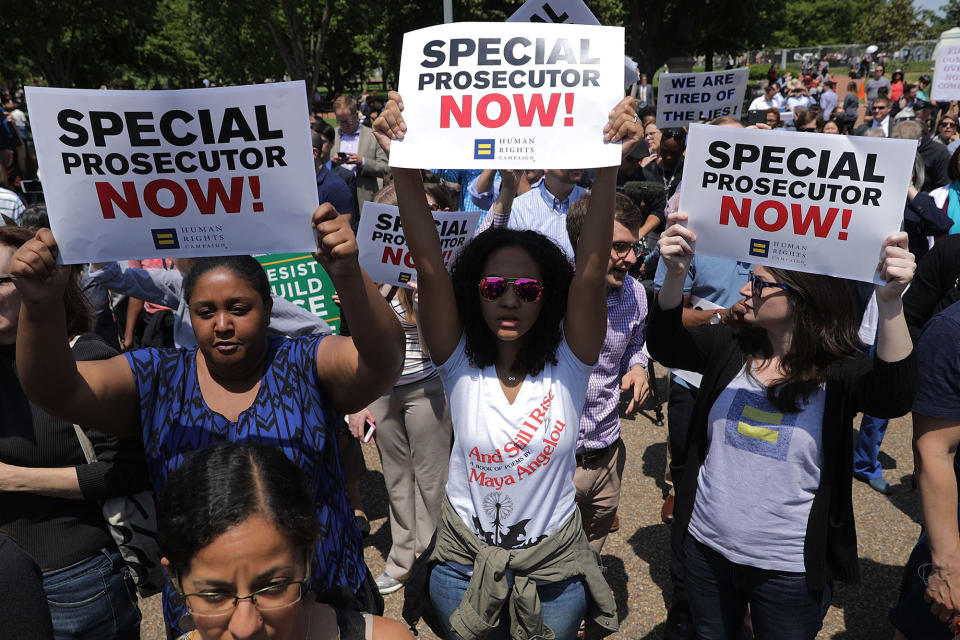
(808, 202)
(568, 12)
(383, 248)
(692, 97)
(199, 172)
(300, 279)
(524, 95)
(946, 74)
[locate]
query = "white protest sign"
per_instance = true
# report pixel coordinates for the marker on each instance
(520, 95)
(199, 172)
(691, 97)
(807, 202)
(946, 74)
(383, 248)
(568, 12)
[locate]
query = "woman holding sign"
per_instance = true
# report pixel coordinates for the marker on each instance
(515, 332)
(764, 513)
(239, 384)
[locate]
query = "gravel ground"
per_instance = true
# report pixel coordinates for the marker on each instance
(636, 557)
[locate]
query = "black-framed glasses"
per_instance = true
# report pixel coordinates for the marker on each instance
(758, 284)
(878, 108)
(623, 249)
(5, 279)
(949, 124)
(221, 603)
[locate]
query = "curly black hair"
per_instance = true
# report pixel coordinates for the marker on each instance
(221, 487)
(541, 342)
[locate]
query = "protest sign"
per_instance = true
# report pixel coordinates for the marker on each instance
(519, 95)
(383, 249)
(693, 97)
(300, 279)
(807, 202)
(946, 74)
(568, 12)
(199, 172)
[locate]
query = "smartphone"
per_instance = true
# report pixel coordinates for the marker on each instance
(341, 155)
(368, 429)
(31, 186)
(757, 116)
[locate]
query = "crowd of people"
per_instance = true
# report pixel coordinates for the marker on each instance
(493, 392)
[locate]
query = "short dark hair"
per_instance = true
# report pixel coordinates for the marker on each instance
(35, 217)
(882, 99)
(674, 133)
(541, 342)
(624, 211)
(245, 267)
(221, 487)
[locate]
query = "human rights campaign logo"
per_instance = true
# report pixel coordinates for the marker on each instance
(165, 238)
(759, 248)
(483, 149)
(405, 277)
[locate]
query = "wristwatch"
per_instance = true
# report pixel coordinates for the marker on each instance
(716, 318)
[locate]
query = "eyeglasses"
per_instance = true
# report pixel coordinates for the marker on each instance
(952, 125)
(527, 289)
(879, 108)
(5, 279)
(758, 284)
(623, 249)
(217, 603)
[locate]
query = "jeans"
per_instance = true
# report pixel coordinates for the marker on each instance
(563, 604)
(94, 598)
(781, 606)
(866, 450)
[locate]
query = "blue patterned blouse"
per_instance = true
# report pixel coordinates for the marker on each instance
(290, 412)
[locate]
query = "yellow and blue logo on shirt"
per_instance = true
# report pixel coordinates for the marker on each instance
(754, 425)
(759, 248)
(165, 238)
(483, 149)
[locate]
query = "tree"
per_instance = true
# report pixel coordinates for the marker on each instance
(891, 21)
(807, 23)
(80, 43)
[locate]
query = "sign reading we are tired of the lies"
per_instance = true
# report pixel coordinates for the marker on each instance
(198, 172)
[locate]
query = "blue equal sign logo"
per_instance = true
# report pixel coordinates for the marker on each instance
(759, 248)
(404, 276)
(483, 149)
(165, 238)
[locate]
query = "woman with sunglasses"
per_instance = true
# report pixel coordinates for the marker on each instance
(514, 331)
(237, 526)
(947, 131)
(764, 510)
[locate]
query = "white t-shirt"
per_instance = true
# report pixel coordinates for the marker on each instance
(761, 104)
(757, 483)
(511, 467)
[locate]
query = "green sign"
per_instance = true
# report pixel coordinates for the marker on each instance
(300, 279)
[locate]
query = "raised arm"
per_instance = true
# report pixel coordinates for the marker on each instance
(439, 318)
(585, 325)
(897, 269)
(101, 395)
(499, 215)
(358, 369)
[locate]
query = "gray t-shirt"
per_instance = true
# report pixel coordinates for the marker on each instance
(873, 84)
(761, 472)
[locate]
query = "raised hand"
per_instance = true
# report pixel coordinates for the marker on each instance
(676, 243)
(389, 125)
(897, 266)
(623, 126)
(35, 272)
(336, 245)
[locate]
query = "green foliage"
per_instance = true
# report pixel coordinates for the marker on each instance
(894, 21)
(804, 23)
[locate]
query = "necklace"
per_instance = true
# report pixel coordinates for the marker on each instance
(511, 379)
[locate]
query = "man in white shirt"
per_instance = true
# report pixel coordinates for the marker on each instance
(766, 101)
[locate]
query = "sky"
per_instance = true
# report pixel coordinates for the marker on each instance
(933, 5)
